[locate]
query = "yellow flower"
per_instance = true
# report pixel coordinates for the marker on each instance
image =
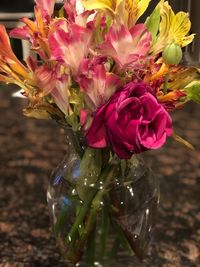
(174, 28)
(130, 11)
(101, 4)
(127, 11)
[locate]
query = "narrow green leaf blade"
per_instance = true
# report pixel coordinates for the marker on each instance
(153, 23)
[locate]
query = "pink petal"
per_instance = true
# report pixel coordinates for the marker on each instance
(70, 9)
(45, 78)
(46, 5)
(21, 33)
(97, 136)
(126, 46)
(31, 63)
(97, 84)
(60, 96)
(70, 47)
(83, 116)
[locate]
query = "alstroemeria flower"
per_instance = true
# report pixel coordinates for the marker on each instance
(101, 4)
(31, 28)
(126, 47)
(127, 11)
(38, 28)
(174, 28)
(50, 81)
(8, 61)
(76, 13)
(131, 10)
(71, 47)
(36, 32)
(98, 86)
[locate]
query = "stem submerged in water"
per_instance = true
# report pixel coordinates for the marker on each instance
(91, 206)
(104, 233)
(81, 216)
(90, 250)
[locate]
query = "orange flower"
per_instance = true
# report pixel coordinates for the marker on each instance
(8, 58)
(36, 32)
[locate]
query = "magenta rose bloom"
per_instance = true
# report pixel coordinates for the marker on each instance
(132, 121)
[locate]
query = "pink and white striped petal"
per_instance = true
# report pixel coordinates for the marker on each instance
(47, 6)
(60, 95)
(70, 9)
(98, 85)
(50, 81)
(126, 46)
(71, 47)
(45, 78)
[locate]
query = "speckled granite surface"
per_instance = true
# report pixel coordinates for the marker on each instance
(30, 149)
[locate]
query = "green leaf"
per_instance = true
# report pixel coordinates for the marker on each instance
(89, 171)
(76, 100)
(122, 239)
(109, 22)
(183, 141)
(153, 23)
(193, 92)
(123, 168)
(43, 111)
(133, 161)
(61, 12)
(72, 120)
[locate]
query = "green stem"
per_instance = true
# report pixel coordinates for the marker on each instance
(90, 199)
(81, 215)
(104, 233)
(90, 252)
(88, 228)
(95, 207)
(96, 195)
(76, 143)
(60, 221)
(122, 236)
(165, 89)
(115, 248)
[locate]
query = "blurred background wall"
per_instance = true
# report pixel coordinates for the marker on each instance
(16, 5)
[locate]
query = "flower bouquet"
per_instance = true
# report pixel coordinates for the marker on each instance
(112, 83)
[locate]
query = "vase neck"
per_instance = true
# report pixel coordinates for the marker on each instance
(75, 141)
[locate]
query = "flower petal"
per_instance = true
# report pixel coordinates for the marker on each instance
(46, 5)
(7, 55)
(97, 136)
(21, 33)
(70, 47)
(98, 85)
(136, 41)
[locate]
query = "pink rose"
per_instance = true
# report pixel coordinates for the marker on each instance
(132, 121)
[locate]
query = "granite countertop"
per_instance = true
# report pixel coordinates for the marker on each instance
(30, 149)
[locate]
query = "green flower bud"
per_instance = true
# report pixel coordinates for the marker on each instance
(172, 54)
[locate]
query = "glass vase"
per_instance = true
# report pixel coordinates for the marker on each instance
(102, 208)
